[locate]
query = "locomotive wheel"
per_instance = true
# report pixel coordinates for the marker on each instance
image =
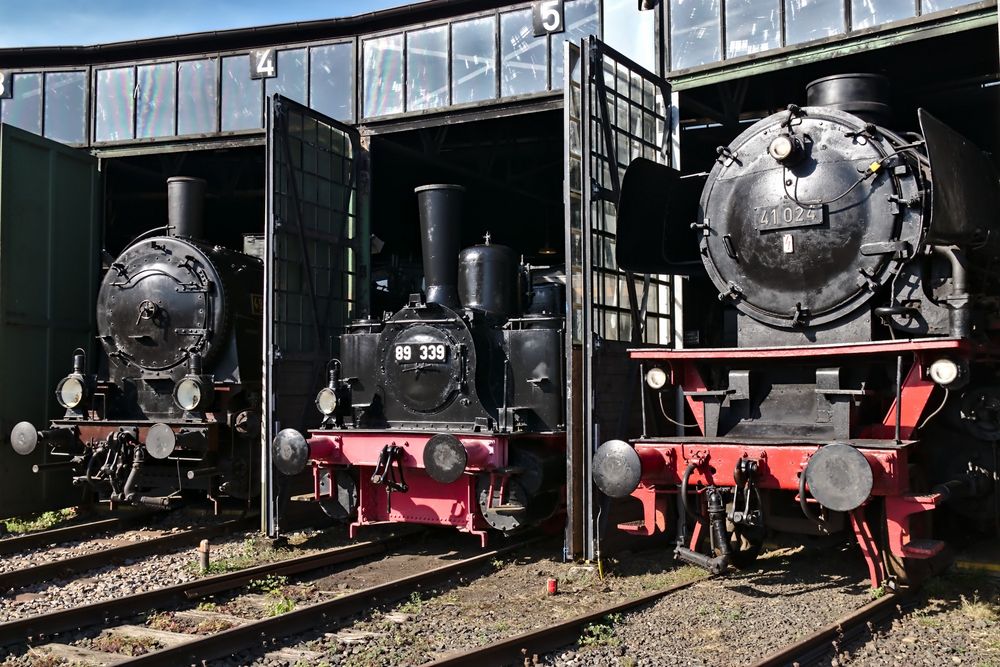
(506, 514)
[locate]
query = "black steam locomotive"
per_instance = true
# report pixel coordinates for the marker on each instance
(177, 406)
(855, 383)
(449, 411)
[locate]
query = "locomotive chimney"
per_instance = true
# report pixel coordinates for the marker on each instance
(440, 209)
(185, 203)
(864, 95)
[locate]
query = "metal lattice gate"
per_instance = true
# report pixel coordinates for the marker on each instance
(615, 111)
(316, 265)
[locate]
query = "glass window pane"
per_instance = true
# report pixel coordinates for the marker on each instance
(383, 76)
(115, 104)
(474, 60)
(291, 79)
(197, 97)
(242, 97)
(630, 32)
(695, 32)
(928, 6)
(869, 13)
(806, 20)
(154, 110)
(524, 57)
(581, 20)
(66, 107)
(752, 26)
(331, 78)
(427, 68)
(24, 109)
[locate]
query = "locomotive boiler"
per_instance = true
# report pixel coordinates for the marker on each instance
(853, 385)
(176, 405)
(450, 411)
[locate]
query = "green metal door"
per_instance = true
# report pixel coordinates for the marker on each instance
(49, 240)
(315, 268)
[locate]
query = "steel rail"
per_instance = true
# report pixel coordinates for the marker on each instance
(52, 536)
(31, 629)
(301, 620)
(92, 560)
(812, 647)
(537, 642)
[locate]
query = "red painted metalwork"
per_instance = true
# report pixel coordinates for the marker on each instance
(869, 547)
(915, 393)
(425, 501)
(898, 510)
(887, 347)
(781, 461)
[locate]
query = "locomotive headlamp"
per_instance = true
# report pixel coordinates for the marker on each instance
(326, 401)
(946, 372)
(71, 391)
(656, 377)
(784, 148)
(192, 394)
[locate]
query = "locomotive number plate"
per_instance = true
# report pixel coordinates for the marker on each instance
(787, 215)
(413, 353)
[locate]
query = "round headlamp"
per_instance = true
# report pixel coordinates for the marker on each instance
(783, 148)
(326, 401)
(656, 377)
(189, 394)
(71, 391)
(945, 372)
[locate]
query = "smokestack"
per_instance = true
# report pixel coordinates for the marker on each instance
(864, 95)
(440, 208)
(185, 204)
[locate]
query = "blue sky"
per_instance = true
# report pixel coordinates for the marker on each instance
(79, 22)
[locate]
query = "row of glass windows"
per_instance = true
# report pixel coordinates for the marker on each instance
(457, 63)
(53, 104)
(182, 99)
(475, 60)
(752, 26)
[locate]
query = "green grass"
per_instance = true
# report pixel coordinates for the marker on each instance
(255, 551)
(37, 522)
(413, 606)
(601, 633)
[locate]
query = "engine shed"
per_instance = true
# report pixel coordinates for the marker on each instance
(313, 136)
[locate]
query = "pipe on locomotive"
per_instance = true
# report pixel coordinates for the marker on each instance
(185, 206)
(440, 209)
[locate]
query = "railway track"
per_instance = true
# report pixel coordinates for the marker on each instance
(810, 649)
(557, 635)
(184, 648)
(91, 560)
(52, 536)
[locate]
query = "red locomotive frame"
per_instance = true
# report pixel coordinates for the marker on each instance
(781, 461)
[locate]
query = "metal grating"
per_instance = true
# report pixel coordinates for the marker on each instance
(316, 262)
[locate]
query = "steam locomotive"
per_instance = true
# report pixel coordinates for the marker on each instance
(451, 410)
(177, 407)
(853, 383)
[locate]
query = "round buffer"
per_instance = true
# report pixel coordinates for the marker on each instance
(290, 452)
(839, 477)
(617, 468)
(445, 458)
